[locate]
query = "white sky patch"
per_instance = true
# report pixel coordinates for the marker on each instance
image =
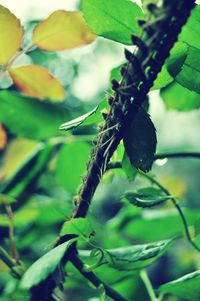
(37, 9)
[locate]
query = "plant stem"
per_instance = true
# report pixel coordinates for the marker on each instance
(178, 155)
(129, 95)
(187, 233)
(7, 66)
(7, 259)
(145, 278)
(94, 279)
(195, 155)
(11, 234)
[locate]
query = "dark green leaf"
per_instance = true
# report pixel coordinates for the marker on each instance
(134, 257)
(146, 198)
(179, 98)
(115, 21)
(140, 141)
(44, 266)
(186, 287)
(137, 256)
(30, 118)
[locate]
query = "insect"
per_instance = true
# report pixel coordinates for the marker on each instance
(143, 50)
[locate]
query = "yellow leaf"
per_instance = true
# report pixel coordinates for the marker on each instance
(11, 34)
(3, 137)
(62, 30)
(17, 152)
(36, 81)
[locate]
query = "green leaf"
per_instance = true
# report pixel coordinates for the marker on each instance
(6, 200)
(128, 168)
(179, 98)
(135, 222)
(92, 117)
(28, 171)
(134, 257)
(148, 197)
(140, 141)
(183, 65)
(77, 121)
(177, 57)
(71, 164)
(78, 226)
(191, 31)
(44, 266)
(186, 287)
(115, 21)
(137, 256)
(29, 118)
(163, 79)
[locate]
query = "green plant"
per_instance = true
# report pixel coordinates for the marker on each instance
(135, 242)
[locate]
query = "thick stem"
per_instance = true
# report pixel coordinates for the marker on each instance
(126, 103)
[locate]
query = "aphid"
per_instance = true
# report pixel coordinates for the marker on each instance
(104, 113)
(153, 9)
(123, 70)
(115, 84)
(135, 63)
(143, 50)
(100, 126)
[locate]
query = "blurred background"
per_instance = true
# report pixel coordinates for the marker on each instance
(45, 203)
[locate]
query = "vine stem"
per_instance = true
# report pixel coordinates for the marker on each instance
(187, 233)
(147, 282)
(79, 265)
(195, 155)
(11, 234)
(118, 164)
(8, 260)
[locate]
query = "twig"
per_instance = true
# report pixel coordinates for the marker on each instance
(7, 259)
(145, 278)
(187, 233)
(94, 279)
(195, 155)
(11, 234)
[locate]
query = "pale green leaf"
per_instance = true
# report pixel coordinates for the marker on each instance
(186, 287)
(44, 266)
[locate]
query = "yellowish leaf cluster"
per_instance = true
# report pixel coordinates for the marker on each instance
(61, 30)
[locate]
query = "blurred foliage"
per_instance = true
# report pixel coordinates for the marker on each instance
(41, 167)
